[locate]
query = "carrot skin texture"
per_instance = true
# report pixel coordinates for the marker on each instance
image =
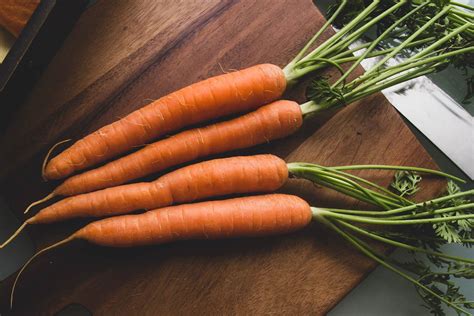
(218, 96)
(239, 217)
(272, 121)
(234, 175)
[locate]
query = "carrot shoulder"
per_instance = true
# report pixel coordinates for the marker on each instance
(215, 97)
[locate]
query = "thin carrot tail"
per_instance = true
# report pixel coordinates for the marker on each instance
(46, 198)
(16, 233)
(59, 243)
(46, 159)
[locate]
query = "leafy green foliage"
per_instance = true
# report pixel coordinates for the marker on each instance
(412, 24)
(405, 183)
(351, 10)
(422, 228)
(432, 272)
(437, 234)
(432, 237)
(447, 232)
(439, 281)
(395, 24)
(455, 231)
(321, 92)
(442, 284)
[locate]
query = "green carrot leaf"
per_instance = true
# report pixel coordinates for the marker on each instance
(461, 229)
(321, 92)
(406, 183)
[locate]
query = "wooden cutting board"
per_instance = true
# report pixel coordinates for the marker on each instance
(120, 55)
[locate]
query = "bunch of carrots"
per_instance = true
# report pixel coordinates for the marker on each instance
(408, 29)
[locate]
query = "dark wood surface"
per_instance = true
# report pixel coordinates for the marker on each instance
(119, 55)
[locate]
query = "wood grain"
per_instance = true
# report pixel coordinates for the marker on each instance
(302, 273)
(112, 44)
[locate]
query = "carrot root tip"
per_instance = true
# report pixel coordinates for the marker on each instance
(46, 198)
(46, 159)
(16, 233)
(59, 243)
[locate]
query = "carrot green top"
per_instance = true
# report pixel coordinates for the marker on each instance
(413, 38)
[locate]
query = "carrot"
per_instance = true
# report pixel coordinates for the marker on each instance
(252, 87)
(279, 213)
(238, 217)
(230, 93)
(206, 179)
(260, 173)
(273, 121)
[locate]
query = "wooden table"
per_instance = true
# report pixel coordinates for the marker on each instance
(120, 55)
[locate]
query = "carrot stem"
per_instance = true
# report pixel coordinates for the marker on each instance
(311, 107)
(402, 245)
(376, 42)
(407, 41)
(410, 168)
(462, 5)
(364, 28)
(326, 25)
(361, 246)
(406, 209)
(436, 212)
(347, 56)
(388, 221)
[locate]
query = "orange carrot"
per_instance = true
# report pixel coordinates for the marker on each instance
(206, 179)
(279, 213)
(218, 177)
(273, 121)
(239, 217)
(231, 93)
(234, 175)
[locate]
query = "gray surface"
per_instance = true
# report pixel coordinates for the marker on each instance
(18, 250)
